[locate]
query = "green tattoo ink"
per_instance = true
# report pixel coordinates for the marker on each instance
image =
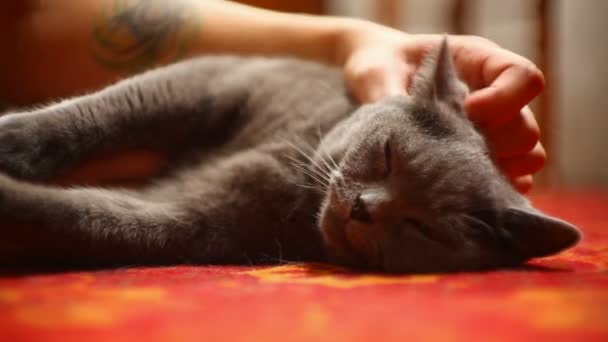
(133, 36)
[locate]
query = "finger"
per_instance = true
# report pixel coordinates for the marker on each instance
(505, 82)
(516, 137)
(524, 184)
(529, 163)
(514, 88)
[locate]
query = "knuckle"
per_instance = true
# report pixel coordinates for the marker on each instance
(526, 163)
(530, 124)
(540, 153)
(534, 76)
(365, 73)
(537, 162)
(524, 183)
(529, 140)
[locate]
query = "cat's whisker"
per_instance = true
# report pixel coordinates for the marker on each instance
(331, 159)
(329, 168)
(334, 166)
(300, 165)
(278, 260)
(309, 187)
(318, 171)
(319, 135)
(305, 143)
(326, 172)
(328, 156)
(309, 158)
(320, 147)
(313, 151)
(323, 150)
(319, 181)
(326, 175)
(314, 173)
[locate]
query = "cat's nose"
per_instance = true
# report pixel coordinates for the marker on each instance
(359, 211)
(372, 205)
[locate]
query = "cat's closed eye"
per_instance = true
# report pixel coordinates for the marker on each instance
(426, 230)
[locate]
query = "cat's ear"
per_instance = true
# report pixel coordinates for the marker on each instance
(436, 79)
(534, 234)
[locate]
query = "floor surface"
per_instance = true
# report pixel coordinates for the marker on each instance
(559, 298)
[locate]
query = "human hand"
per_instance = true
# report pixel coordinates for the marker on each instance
(379, 61)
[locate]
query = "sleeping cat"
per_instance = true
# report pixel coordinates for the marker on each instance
(271, 161)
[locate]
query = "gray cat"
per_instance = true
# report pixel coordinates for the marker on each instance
(270, 161)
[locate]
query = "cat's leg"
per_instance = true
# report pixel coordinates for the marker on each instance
(87, 226)
(160, 109)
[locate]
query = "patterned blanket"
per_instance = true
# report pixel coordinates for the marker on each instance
(564, 297)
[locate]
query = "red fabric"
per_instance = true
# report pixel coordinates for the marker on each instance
(564, 297)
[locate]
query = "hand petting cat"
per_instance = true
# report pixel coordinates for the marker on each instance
(379, 61)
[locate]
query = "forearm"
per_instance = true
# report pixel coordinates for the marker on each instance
(231, 27)
(64, 47)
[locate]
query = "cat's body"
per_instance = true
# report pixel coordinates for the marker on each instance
(270, 160)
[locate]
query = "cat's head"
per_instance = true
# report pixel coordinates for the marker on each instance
(414, 188)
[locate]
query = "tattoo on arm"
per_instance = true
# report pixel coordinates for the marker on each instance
(132, 36)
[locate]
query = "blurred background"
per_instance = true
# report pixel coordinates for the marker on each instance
(567, 39)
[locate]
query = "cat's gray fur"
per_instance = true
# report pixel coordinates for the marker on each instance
(270, 160)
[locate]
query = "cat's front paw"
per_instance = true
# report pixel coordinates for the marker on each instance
(29, 149)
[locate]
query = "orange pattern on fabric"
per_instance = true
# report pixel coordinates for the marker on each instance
(564, 297)
(332, 276)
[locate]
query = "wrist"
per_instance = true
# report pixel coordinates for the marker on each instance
(357, 34)
(327, 39)
(349, 33)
